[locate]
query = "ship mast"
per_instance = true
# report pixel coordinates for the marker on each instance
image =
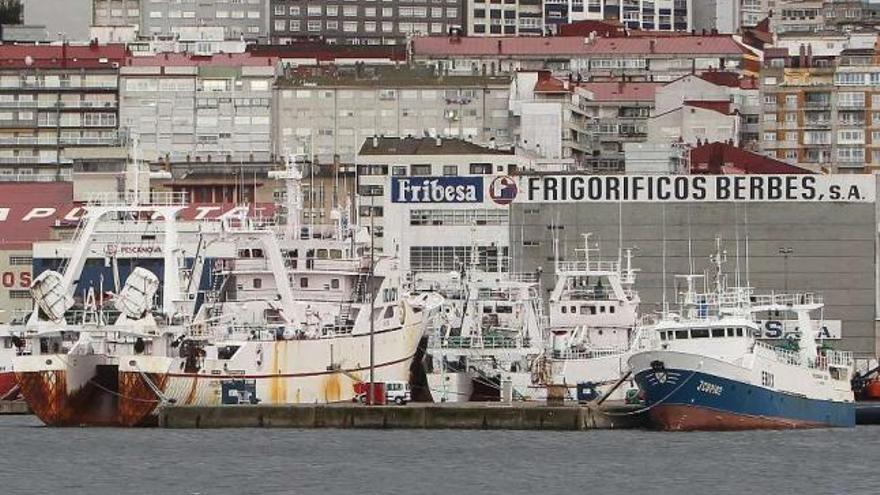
(293, 203)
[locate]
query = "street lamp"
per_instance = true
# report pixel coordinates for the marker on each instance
(785, 251)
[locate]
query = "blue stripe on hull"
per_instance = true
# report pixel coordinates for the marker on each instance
(704, 392)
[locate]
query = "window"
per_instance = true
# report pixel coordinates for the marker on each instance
(739, 332)
(481, 168)
(304, 282)
(450, 170)
(334, 283)
(20, 260)
(19, 294)
(681, 334)
(258, 283)
(700, 333)
(717, 332)
(398, 171)
(421, 170)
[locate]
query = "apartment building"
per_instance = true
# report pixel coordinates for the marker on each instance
(755, 11)
(737, 100)
(638, 58)
(329, 112)
(510, 18)
(410, 227)
(363, 21)
(798, 16)
(604, 117)
(246, 19)
(823, 113)
(184, 108)
(722, 16)
(539, 109)
(652, 15)
(116, 12)
(845, 15)
(53, 100)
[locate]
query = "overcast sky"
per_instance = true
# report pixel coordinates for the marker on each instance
(71, 17)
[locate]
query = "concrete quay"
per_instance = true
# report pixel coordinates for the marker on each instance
(465, 416)
(10, 407)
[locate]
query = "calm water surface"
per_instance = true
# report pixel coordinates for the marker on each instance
(38, 460)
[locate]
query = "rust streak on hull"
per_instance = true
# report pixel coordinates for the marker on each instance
(137, 401)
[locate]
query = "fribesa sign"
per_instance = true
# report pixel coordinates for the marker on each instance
(699, 188)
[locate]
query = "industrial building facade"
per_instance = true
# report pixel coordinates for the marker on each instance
(828, 248)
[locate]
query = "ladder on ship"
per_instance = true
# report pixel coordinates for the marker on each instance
(358, 294)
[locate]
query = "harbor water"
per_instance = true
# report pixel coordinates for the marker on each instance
(98, 461)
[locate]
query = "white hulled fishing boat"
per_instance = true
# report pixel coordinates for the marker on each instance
(289, 315)
(708, 371)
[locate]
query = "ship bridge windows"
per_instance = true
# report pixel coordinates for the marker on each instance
(504, 309)
(226, 352)
(717, 332)
(681, 335)
(700, 333)
(328, 254)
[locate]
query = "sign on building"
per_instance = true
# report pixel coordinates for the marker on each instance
(840, 188)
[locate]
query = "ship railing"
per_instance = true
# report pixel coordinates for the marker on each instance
(479, 342)
(839, 358)
(572, 354)
(146, 198)
(526, 277)
(588, 266)
(590, 294)
(800, 298)
(784, 356)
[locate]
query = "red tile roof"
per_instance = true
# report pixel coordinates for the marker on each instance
(61, 56)
(327, 53)
(187, 60)
(549, 84)
(438, 46)
(584, 28)
(722, 107)
(721, 78)
(724, 158)
(620, 91)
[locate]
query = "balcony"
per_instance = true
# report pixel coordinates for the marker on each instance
(64, 176)
(28, 160)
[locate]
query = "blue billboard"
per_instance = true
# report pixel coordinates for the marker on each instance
(436, 189)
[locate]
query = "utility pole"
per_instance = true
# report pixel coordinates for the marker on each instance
(785, 251)
(372, 296)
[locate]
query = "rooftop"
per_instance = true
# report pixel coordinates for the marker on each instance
(722, 107)
(425, 146)
(566, 46)
(323, 52)
(384, 76)
(622, 91)
(188, 60)
(61, 56)
(725, 158)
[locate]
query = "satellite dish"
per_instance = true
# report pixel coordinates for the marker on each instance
(29, 61)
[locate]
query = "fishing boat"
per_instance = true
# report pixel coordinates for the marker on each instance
(487, 337)
(593, 310)
(243, 310)
(10, 345)
(707, 369)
